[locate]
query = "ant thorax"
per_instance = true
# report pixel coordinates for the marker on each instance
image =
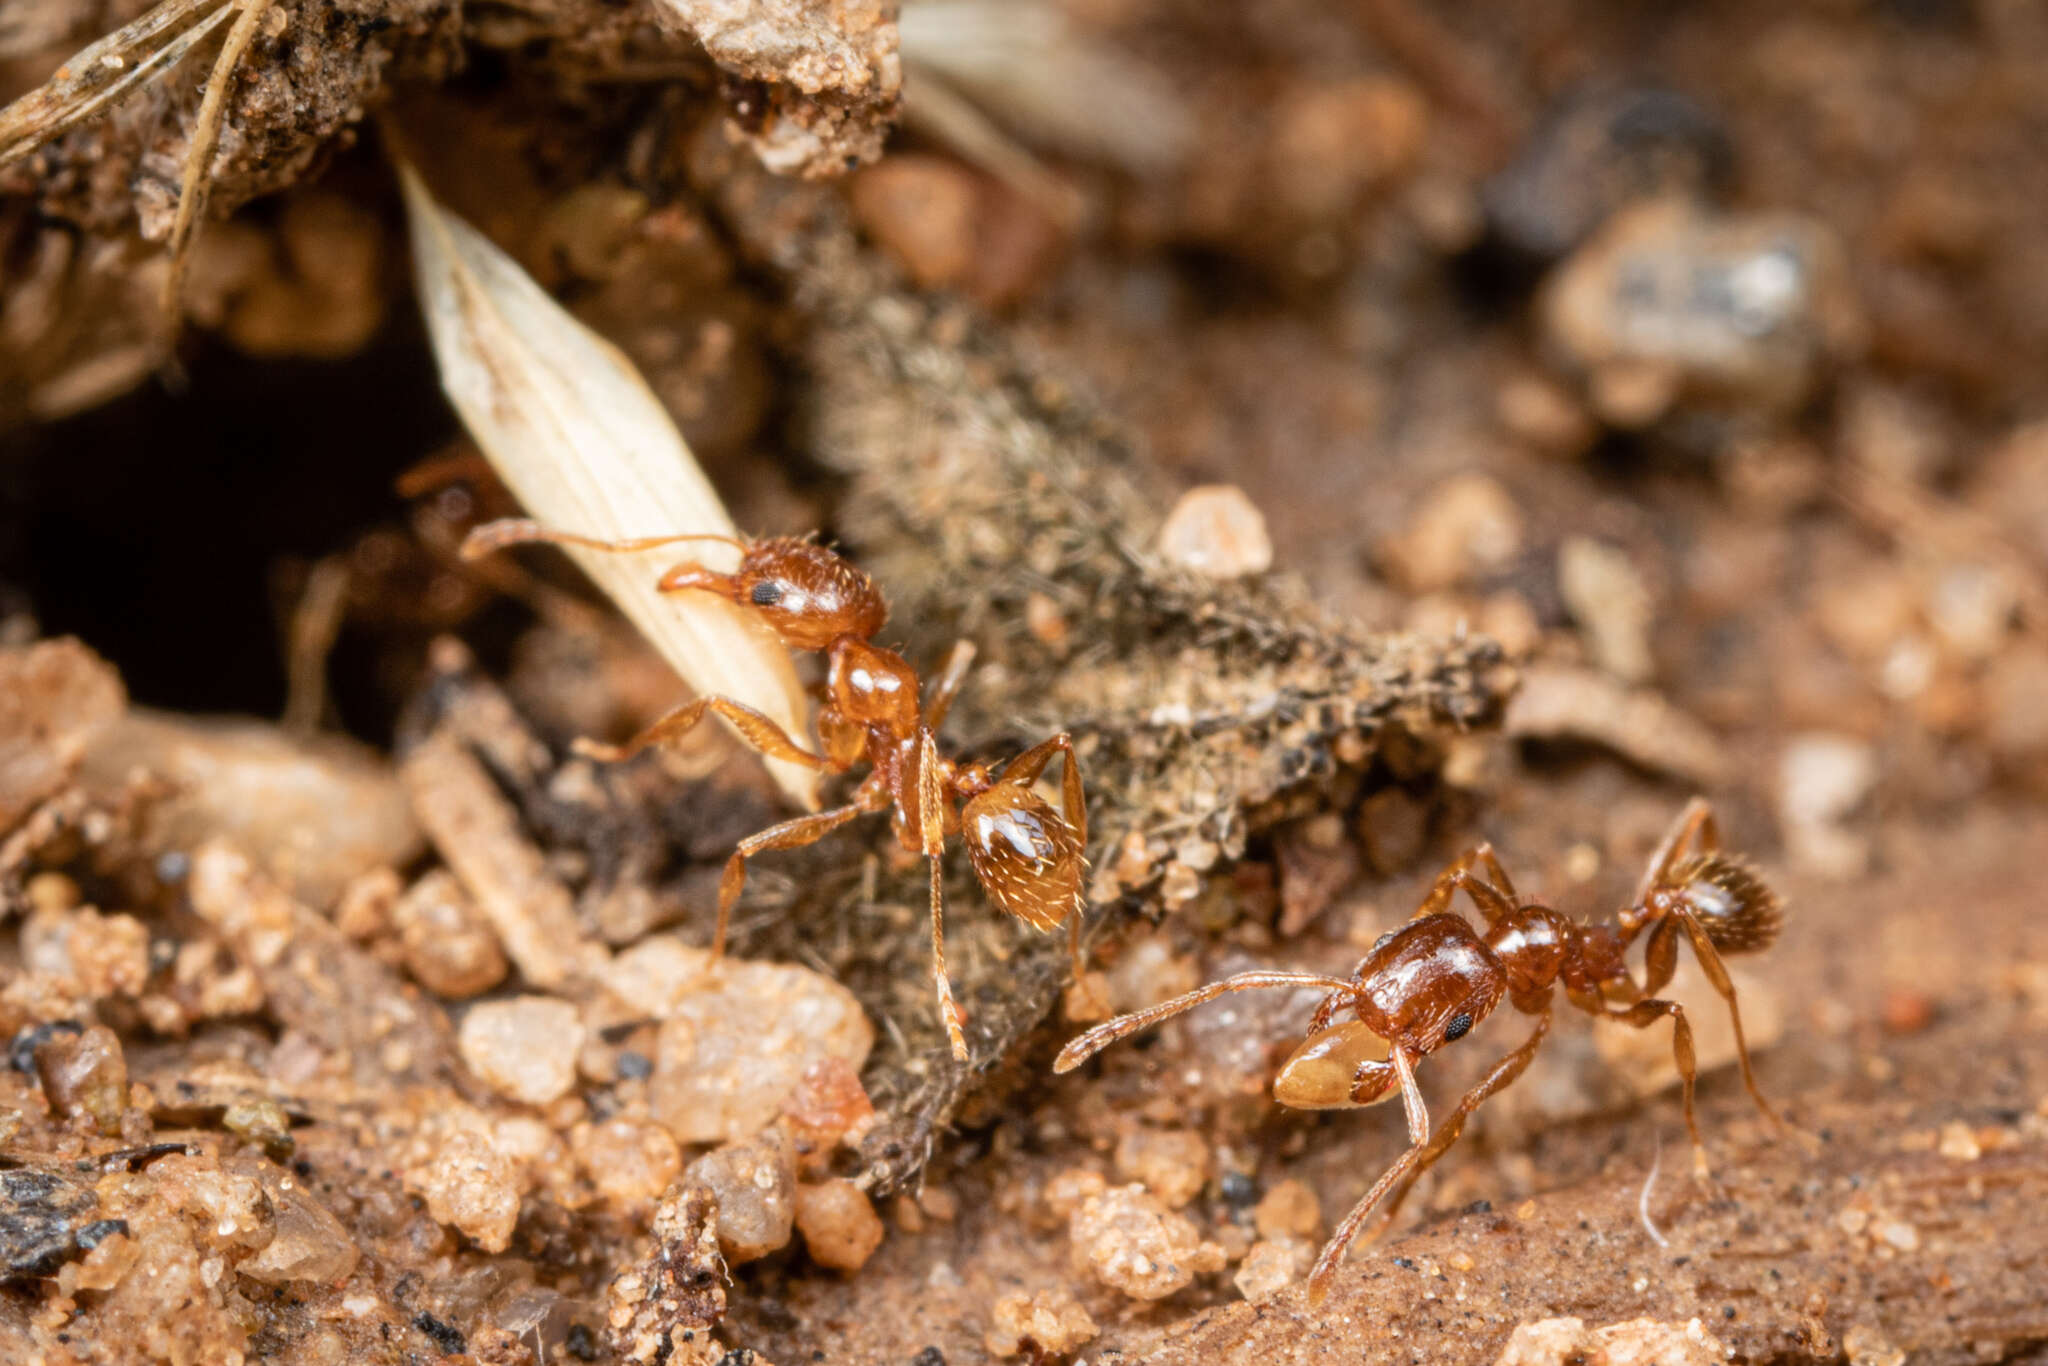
(872, 687)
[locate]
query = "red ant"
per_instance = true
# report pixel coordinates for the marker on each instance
(1027, 856)
(1428, 983)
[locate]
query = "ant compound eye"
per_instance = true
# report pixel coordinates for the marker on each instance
(766, 593)
(1458, 1028)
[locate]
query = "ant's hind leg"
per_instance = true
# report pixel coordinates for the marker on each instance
(758, 731)
(1717, 974)
(1694, 826)
(1025, 768)
(1642, 1015)
(788, 835)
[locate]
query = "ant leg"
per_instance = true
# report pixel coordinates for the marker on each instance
(1418, 1140)
(1493, 893)
(1660, 958)
(949, 1010)
(760, 732)
(437, 472)
(948, 685)
(506, 531)
(1642, 1015)
(1023, 771)
(1695, 824)
(1086, 1046)
(788, 835)
(931, 834)
(1503, 1075)
(1025, 768)
(1438, 899)
(1717, 974)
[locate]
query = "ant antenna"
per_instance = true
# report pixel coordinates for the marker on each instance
(492, 536)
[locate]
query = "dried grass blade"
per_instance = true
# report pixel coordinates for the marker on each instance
(578, 437)
(103, 73)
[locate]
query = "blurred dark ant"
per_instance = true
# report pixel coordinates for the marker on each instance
(1428, 983)
(1027, 856)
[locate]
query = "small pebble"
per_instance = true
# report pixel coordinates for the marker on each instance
(629, 1162)
(1822, 779)
(1173, 1163)
(470, 1186)
(737, 1037)
(755, 1183)
(1464, 526)
(525, 1048)
(1606, 595)
(450, 947)
(1049, 1323)
(839, 1224)
(922, 210)
(85, 1073)
(1289, 1208)
(1218, 532)
(1133, 1243)
(311, 1246)
(1906, 1011)
(1272, 1263)
(1959, 1142)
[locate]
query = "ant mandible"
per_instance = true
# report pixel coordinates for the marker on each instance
(1027, 856)
(1428, 983)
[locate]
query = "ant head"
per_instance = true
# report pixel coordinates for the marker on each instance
(1735, 906)
(809, 594)
(1338, 1068)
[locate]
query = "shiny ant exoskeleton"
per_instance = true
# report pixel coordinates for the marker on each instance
(1430, 982)
(1027, 856)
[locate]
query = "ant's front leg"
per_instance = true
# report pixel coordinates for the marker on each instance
(1418, 1141)
(1499, 1079)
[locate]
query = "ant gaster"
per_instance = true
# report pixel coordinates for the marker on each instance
(1431, 982)
(1027, 856)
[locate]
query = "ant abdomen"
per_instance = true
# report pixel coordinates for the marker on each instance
(1028, 859)
(1737, 909)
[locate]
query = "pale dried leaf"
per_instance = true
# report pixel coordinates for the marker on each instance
(578, 437)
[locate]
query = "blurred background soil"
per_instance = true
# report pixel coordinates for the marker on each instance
(1585, 405)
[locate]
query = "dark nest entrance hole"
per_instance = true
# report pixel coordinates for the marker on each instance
(162, 528)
